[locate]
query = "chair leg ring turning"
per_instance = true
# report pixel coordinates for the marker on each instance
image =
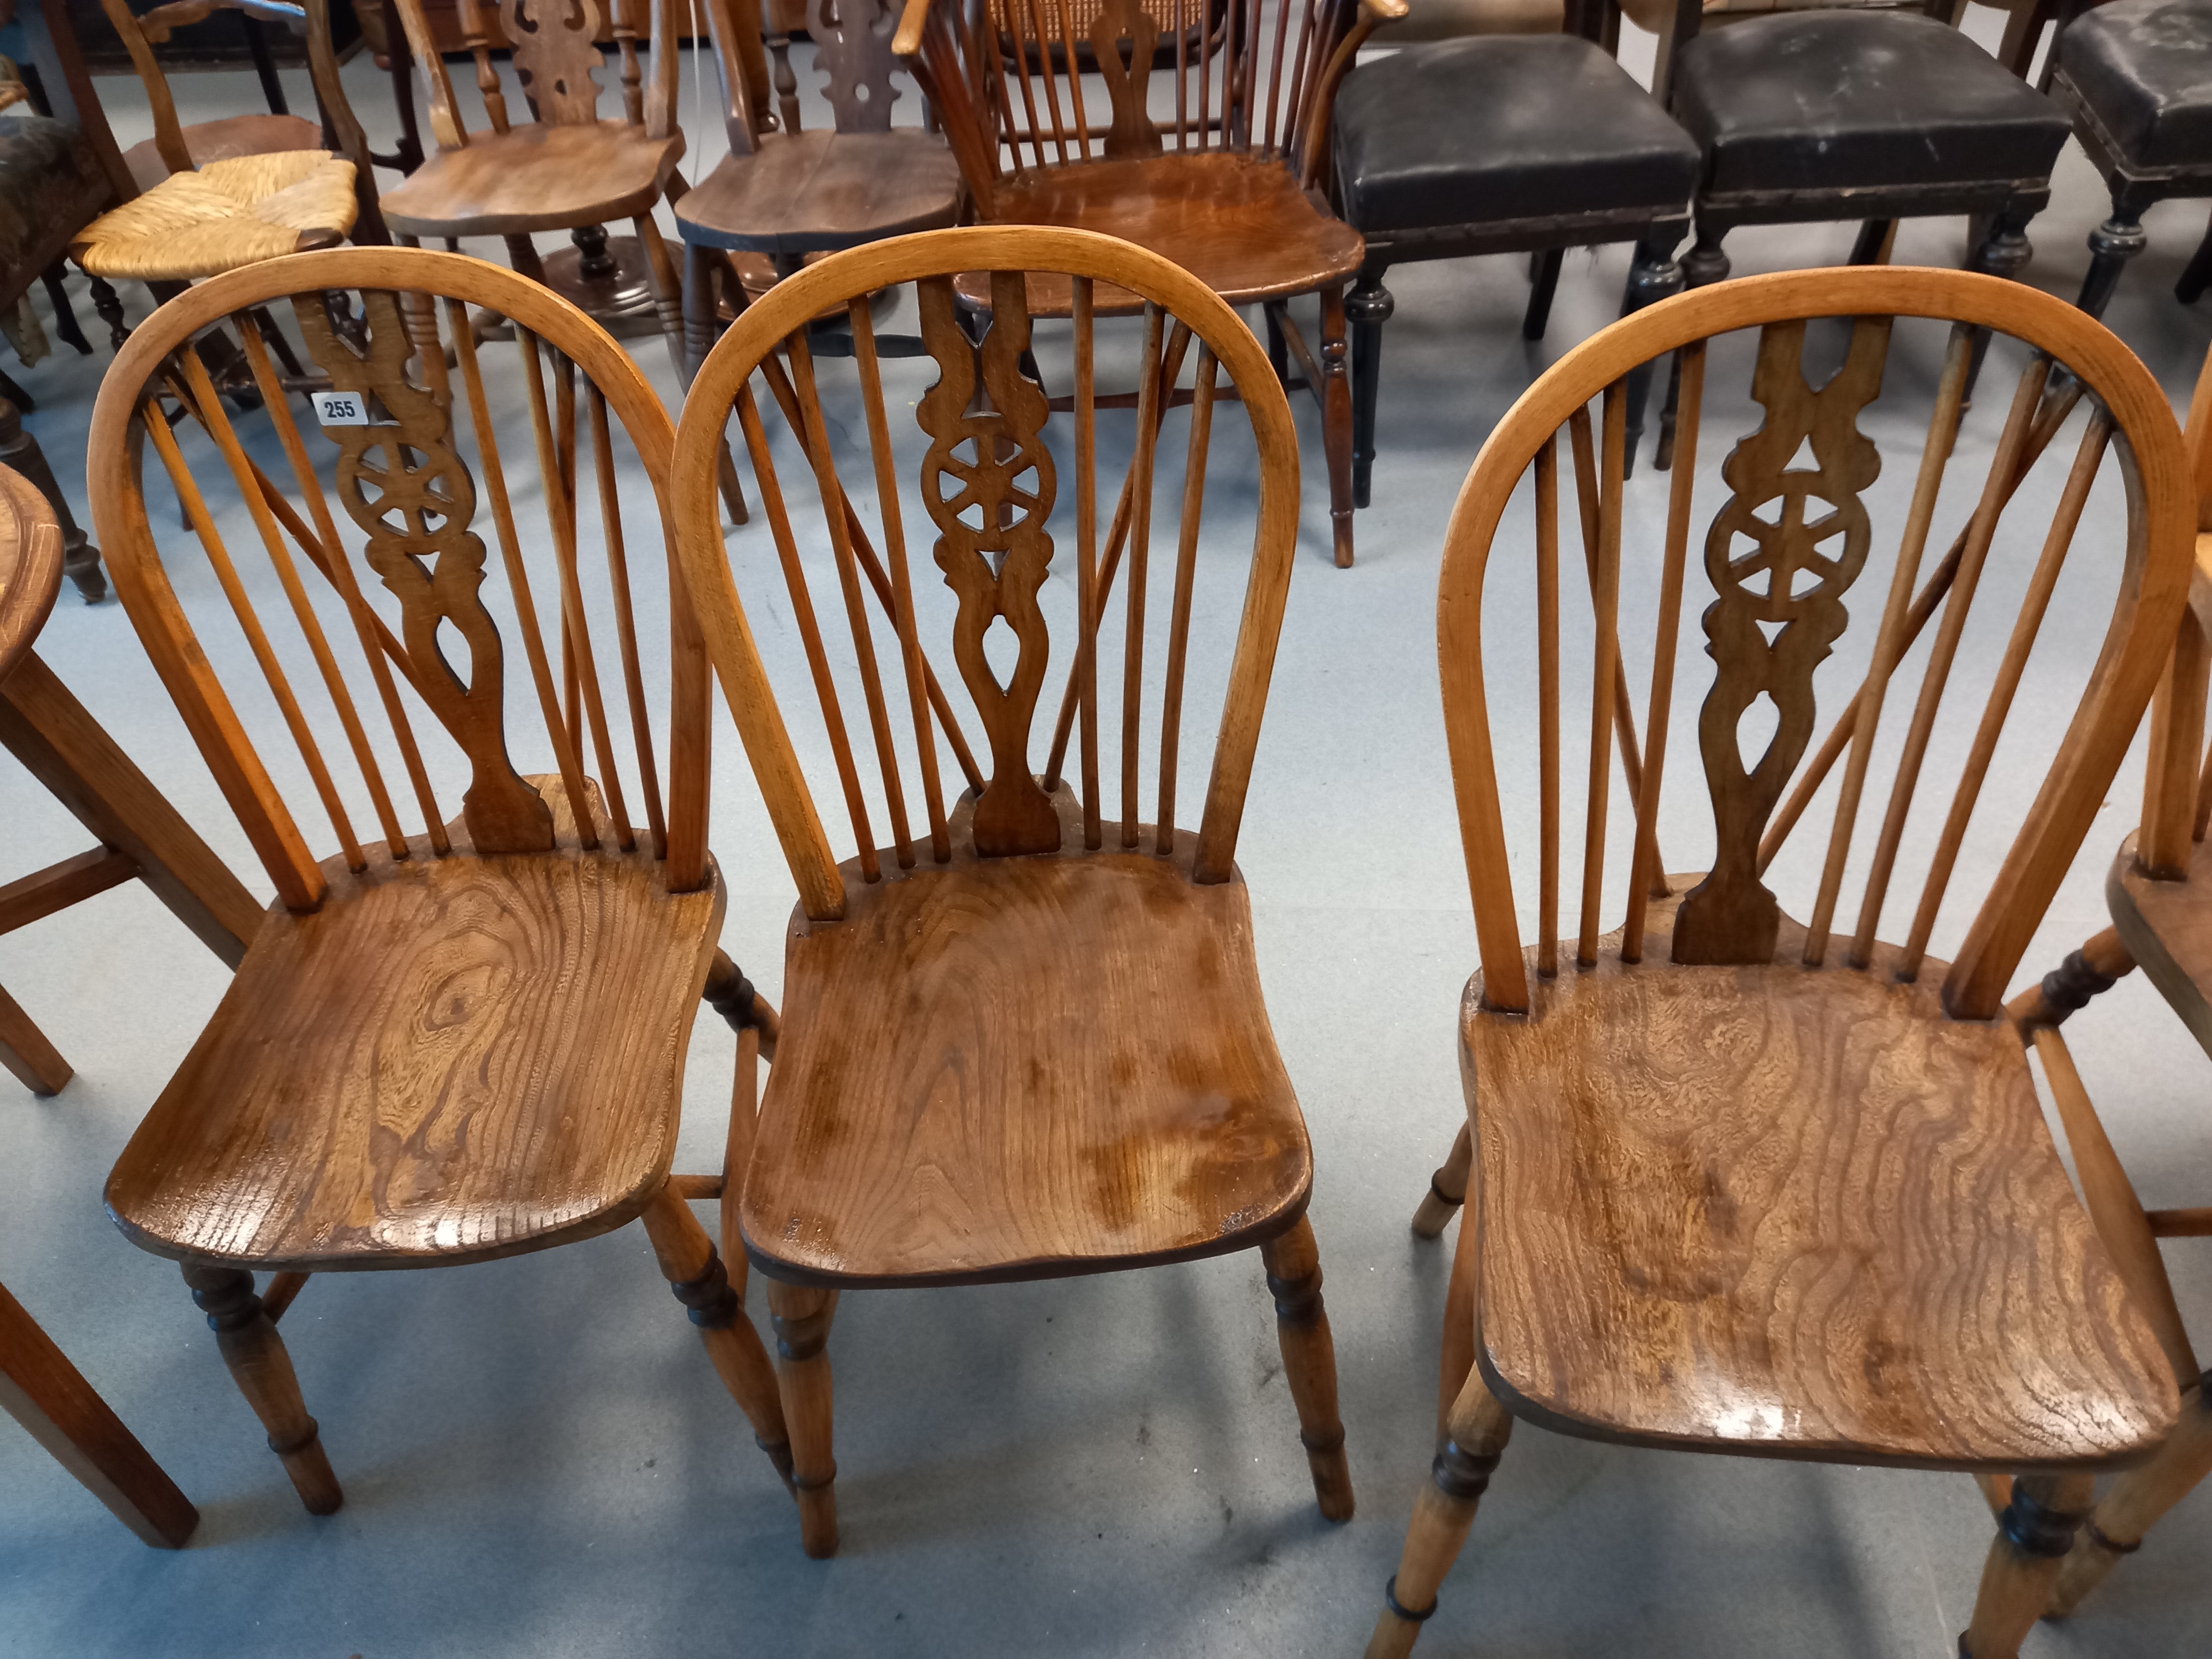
(2034, 1528)
(1390, 1599)
(2112, 1545)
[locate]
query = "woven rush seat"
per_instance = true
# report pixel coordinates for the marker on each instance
(228, 214)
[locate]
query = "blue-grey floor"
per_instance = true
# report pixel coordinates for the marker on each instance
(538, 1461)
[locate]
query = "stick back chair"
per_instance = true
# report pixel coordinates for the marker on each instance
(565, 168)
(1747, 1185)
(1231, 192)
(1024, 1039)
(460, 1035)
(2156, 890)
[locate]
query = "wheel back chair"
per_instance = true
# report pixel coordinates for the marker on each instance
(1232, 193)
(1025, 1039)
(1747, 1185)
(2156, 890)
(458, 1036)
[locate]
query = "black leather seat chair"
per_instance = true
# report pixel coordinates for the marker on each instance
(2137, 77)
(1499, 144)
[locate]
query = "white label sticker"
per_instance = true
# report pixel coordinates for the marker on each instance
(345, 409)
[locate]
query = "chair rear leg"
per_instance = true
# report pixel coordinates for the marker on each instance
(2111, 245)
(263, 1370)
(1447, 1187)
(2034, 1533)
(2005, 252)
(2197, 275)
(1336, 422)
(1653, 276)
(1293, 1265)
(694, 1270)
(1544, 276)
(1478, 1428)
(1704, 262)
(1367, 308)
(2137, 1500)
(802, 1314)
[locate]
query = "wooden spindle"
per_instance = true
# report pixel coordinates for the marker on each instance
(1206, 73)
(1644, 873)
(1028, 92)
(1890, 642)
(1084, 682)
(2087, 462)
(1584, 446)
(1995, 493)
(1044, 62)
(1151, 395)
(1605, 601)
(1182, 74)
(1193, 502)
(1074, 78)
(903, 617)
(810, 632)
(1294, 122)
(561, 504)
(1547, 705)
(579, 632)
(633, 81)
(640, 721)
(1275, 67)
(478, 48)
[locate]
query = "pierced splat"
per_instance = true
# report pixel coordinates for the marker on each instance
(1780, 610)
(992, 545)
(554, 58)
(404, 483)
(1124, 39)
(853, 49)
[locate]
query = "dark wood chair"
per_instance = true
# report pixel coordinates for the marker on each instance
(1505, 143)
(564, 925)
(2159, 888)
(1025, 1039)
(1747, 1185)
(2137, 77)
(1236, 197)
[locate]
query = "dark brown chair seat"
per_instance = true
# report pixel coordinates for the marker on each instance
(819, 192)
(2145, 66)
(221, 141)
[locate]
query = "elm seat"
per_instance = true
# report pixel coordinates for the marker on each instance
(2145, 68)
(532, 178)
(818, 192)
(1468, 131)
(1816, 101)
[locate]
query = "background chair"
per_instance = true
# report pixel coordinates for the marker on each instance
(1748, 1185)
(562, 926)
(1024, 1039)
(1235, 199)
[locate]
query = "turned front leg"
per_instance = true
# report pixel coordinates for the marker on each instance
(2137, 1500)
(802, 1314)
(263, 1370)
(2034, 1533)
(1477, 1428)
(1447, 1187)
(1293, 1265)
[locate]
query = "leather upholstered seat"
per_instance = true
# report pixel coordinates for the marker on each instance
(1807, 100)
(1469, 130)
(2144, 67)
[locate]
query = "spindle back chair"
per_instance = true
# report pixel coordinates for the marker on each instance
(1085, 969)
(461, 1035)
(565, 167)
(1233, 191)
(1754, 1187)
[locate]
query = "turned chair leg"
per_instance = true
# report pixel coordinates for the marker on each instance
(695, 1273)
(2034, 1533)
(1478, 1429)
(65, 322)
(2111, 245)
(801, 1314)
(1336, 422)
(2005, 252)
(1368, 306)
(1279, 349)
(1293, 1265)
(1704, 263)
(1456, 1358)
(263, 1370)
(1447, 1188)
(2197, 273)
(2137, 1500)
(1544, 280)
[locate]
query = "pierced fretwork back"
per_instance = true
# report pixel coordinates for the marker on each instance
(397, 643)
(852, 58)
(553, 44)
(1786, 534)
(1018, 82)
(1009, 496)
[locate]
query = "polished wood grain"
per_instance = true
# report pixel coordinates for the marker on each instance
(536, 177)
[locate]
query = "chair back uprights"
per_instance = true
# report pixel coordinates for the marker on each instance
(1784, 548)
(389, 656)
(1010, 497)
(553, 47)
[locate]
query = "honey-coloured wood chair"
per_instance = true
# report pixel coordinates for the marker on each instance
(460, 1034)
(1747, 1185)
(1024, 1037)
(1233, 191)
(2157, 890)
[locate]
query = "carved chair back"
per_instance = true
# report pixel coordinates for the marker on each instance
(553, 47)
(1784, 550)
(389, 656)
(1262, 82)
(1010, 497)
(852, 52)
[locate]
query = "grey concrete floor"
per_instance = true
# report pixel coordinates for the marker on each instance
(539, 1463)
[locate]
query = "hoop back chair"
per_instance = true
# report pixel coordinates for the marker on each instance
(2156, 891)
(1753, 1186)
(1025, 1038)
(1232, 194)
(461, 1035)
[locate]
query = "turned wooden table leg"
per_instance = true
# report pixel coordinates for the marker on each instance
(802, 1314)
(695, 1273)
(1447, 1188)
(2137, 1500)
(1293, 1264)
(1478, 1428)
(40, 1390)
(2034, 1535)
(263, 1370)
